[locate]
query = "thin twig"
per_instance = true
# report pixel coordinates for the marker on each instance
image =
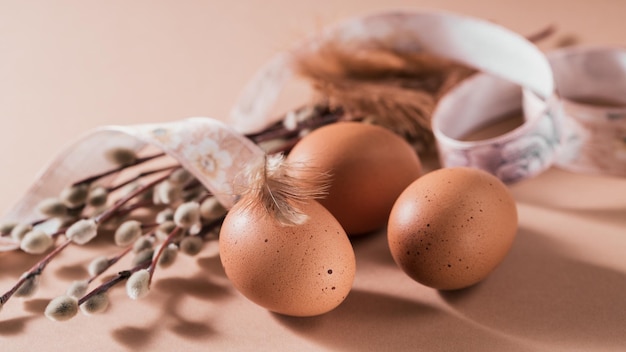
(107, 214)
(93, 178)
(35, 270)
(121, 276)
(141, 175)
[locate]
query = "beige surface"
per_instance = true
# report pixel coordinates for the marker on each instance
(69, 66)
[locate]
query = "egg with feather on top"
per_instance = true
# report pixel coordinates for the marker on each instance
(298, 270)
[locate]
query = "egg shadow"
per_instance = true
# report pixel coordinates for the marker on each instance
(372, 249)
(212, 265)
(368, 321)
(540, 293)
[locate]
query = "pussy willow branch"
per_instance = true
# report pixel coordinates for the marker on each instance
(38, 268)
(111, 261)
(121, 276)
(35, 270)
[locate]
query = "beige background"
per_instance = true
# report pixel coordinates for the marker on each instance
(69, 66)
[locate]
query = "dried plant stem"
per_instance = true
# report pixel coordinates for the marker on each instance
(322, 117)
(141, 175)
(132, 207)
(121, 276)
(35, 270)
(112, 261)
(109, 213)
(93, 178)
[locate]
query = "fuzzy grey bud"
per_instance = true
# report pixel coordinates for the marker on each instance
(290, 121)
(163, 230)
(77, 289)
(143, 256)
(19, 231)
(132, 187)
(62, 308)
(52, 207)
(82, 231)
(98, 265)
(187, 214)
(97, 196)
(193, 194)
(74, 196)
(143, 243)
(127, 233)
(168, 256)
(28, 287)
(138, 284)
(180, 176)
(211, 209)
(166, 193)
(36, 242)
(95, 304)
(191, 245)
(164, 215)
(7, 227)
(121, 156)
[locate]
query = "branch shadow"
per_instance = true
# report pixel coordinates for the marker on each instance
(540, 293)
(174, 291)
(37, 306)
(14, 326)
(135, 337)
(71, 272)
(198, 287)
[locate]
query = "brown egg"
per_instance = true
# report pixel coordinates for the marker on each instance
(452, 227)
(299, 270)
(370, 166)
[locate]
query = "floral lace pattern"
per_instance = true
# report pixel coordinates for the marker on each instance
(209, 149)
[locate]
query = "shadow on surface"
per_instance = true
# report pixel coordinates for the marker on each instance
(13, 326)
(134, 337)
(37, 305)
(174, 291)
(540, 293)
(369, 321)
(198, 286)
(71, 272)
(212, 266)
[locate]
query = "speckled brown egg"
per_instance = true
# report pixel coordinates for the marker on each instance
(451, 228)
(297, 270)
(369, 165)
